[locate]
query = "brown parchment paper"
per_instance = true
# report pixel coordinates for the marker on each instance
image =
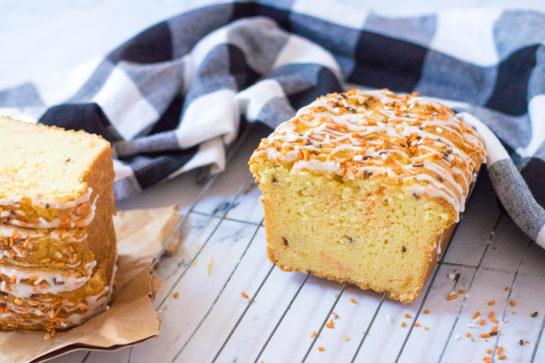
(132, 317)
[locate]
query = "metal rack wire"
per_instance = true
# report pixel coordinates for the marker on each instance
(180, 271)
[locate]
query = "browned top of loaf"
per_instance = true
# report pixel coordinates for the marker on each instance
(46, 164)
(367, 134)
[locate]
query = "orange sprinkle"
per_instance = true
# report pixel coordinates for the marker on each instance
(26, 242)
(408, 316)
(314, 333)
(486, 359)
(417, 324)
(468, 334)
(512, 303)
(176, 294)
(485, 335)
(502, 357)
(489, 351)
(244, 295)
(500, 349)
(476, 315)
(426, 311)
(352, 300)
(461, 291)
(452, 296)
(321, 349)
(492, 302)
(506, 288)
(494, 328)
(403, 324)
(482, 322)
(15, 234)
(492, 318)
(331, 324)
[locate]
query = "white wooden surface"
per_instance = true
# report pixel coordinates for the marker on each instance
(223, 255)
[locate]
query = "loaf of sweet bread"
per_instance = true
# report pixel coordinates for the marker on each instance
(366, 187)
(57, 241)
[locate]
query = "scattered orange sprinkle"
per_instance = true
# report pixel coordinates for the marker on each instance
(494, 328)
(321, 349)
(346, 337)
(314, 333)
(426, 328)
(476, 315)
(492, 302)
(485, 335)
(417, 324)
(489, 351)
(468, 334)
(502, 357)
(482, 322)
(426, 311)
(506, 288)
(500, 349)
(331, 324)
(486, 359)
(408, 316)
(512, 303)
(335, 315)
(452, 296)
(244, 295)
(403, 324)
(352, 300)
(176, 294)
(492, 318)
(461, 291)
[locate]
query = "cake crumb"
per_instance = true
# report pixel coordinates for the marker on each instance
(346, 337)
(457, 336)
(210, 265)
(521, 342)
(426, 328)
(176, 294)
(244, 295)
(389, 318)
(314, 333)
(534, 314)
(335, 315)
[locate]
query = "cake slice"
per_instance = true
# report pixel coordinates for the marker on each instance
(365, 188)
(58, 247)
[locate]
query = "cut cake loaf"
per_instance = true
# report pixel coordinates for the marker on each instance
(366, 187)
(58, 247)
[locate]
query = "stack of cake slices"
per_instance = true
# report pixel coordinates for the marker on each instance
(57, 241)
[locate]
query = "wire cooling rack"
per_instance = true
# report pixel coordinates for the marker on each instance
(223, 301)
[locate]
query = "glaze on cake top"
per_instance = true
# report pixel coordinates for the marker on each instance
(370, 134)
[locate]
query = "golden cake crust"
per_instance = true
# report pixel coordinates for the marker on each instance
(363, 134)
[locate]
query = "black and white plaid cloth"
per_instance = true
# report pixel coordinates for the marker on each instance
(174, 96)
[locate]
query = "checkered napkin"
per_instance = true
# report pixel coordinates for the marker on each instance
(171, 98)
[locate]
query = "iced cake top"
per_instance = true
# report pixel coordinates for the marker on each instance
(367, 134)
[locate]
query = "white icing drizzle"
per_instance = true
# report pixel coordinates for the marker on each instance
(56, 282)
(326, 140)
(40, 203)
(7, 231)
(56, 223)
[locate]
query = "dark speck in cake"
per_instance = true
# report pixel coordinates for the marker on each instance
(403, 249)
(47, 206)
(416, 196)
(284, 239)
(68, 160)
(274, 180)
